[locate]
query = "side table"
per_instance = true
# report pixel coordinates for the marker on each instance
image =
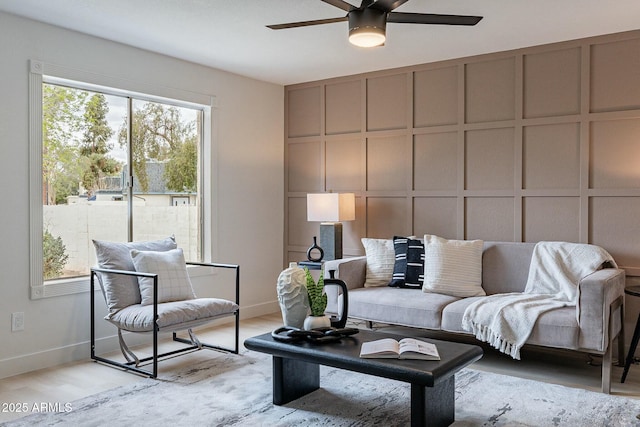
(311, 265)
(633, 291)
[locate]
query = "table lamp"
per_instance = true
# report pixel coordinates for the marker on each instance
(330, 209)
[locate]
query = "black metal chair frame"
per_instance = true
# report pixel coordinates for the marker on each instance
(193, 345)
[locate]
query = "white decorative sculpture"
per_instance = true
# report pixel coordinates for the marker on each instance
(292, 296)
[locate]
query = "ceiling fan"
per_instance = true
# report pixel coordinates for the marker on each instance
(367, 23)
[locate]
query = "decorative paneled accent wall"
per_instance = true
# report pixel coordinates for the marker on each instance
(535, 144)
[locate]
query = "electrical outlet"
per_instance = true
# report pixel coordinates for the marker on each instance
(17, 321)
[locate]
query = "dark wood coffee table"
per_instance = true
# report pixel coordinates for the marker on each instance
(296, 371)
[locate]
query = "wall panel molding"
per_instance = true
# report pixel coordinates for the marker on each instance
(532, 144)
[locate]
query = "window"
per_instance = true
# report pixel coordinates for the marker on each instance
(112, 165)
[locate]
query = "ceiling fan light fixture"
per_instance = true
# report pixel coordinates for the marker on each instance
(367, 27)
(368, 22)
(367, 36)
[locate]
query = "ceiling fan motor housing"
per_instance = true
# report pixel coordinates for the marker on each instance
(367, 21)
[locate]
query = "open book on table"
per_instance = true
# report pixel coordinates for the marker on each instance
(406, 348)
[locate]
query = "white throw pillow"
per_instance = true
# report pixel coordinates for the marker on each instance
(453, 267)
(173, 280)
(380, 260)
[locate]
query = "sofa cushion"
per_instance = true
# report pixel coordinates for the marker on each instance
(380, 261)
(452, 314)
(505, 266)
(453, 267)
(555, 328)
(398, 306)
(408, 269)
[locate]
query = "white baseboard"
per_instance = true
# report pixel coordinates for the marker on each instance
(80, 351)
(44, 359)
(259, 310)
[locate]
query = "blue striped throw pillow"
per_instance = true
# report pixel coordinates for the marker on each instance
(408, 269)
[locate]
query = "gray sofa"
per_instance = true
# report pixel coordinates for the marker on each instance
(589, 327)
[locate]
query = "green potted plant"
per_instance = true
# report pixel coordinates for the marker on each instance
(317, 303)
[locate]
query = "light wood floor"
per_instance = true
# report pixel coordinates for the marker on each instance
(73, 381)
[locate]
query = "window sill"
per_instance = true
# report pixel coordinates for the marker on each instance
(54, 288)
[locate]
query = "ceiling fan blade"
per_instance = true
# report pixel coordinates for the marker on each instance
(387, 5)
(429, 18)
(306, 23)
(341, 4)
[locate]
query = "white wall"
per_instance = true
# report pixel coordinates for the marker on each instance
(249, 179)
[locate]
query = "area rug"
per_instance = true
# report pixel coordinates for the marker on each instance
(235, 390)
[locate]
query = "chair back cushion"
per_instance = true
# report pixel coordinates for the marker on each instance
(122, 291)
(173, 279)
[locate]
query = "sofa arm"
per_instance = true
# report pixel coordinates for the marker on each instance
(352, 271)
(597, 292)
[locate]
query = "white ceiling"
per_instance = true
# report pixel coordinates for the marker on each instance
(231, 34)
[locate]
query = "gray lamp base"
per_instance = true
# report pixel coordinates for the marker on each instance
(331, 240)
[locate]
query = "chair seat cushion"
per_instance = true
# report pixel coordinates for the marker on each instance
(172, 316)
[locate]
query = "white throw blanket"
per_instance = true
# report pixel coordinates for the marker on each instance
(506, 320)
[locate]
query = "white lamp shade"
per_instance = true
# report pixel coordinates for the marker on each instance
(331, 207)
